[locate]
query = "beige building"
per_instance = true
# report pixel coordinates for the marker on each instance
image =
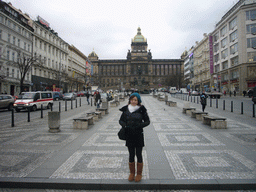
(78, 69)
(201, 80)
(234, 49)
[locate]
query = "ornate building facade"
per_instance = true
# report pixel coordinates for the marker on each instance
(137, 71)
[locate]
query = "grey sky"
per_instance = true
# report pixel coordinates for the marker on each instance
(109, 26)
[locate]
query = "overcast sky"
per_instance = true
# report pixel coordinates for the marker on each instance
(107, 26)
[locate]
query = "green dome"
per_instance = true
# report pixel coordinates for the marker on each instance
(139, 38)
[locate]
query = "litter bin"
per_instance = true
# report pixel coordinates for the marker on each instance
(54, 121)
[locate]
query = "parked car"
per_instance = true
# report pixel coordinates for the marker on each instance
(69, 96)
(6, 102)
(195, 93)
(57, 96)
(81, 93)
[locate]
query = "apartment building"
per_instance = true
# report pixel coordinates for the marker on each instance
(188, 57)
(78, 67)
(52, 71)
(233, 64)
(15, 41)
(201, 80)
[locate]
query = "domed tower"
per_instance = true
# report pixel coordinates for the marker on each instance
(93, 56)
(139, 42)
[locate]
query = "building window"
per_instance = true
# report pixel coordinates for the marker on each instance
(223, 31)
(13, 56)
(12, 73)
(232, 24)
(251, 15)
(224, 42)
(18, 74)
(234, 48)
(234, 74)
(9, 38)
(224, 54)
(225, 77)
(40, 46)
(251, 43)
(8, 55)
(234, 61)
(225, 65)
(216, 58)
(13, 40)
(7, 72)
(216, 47)
(28, 47)
(233, 36)
(215, 37)
(25, 46)
(251, 56)
(44, 46)
(217, 68)
(251, 29)
(1, 34)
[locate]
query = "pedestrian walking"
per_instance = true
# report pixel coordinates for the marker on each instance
(97, 99)
(244, 93)
(134, 118)
(88, 97)
(230, 93)
(234, 93)
(203, 100)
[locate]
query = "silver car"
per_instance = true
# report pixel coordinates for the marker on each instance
(6, 102)
(69, 96)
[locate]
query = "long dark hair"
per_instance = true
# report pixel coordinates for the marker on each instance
(129, 102)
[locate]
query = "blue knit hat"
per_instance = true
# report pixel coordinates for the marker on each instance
(136, 95)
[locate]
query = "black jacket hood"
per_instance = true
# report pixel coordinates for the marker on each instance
(142, 108)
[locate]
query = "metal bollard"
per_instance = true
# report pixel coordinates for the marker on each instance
(76, 102)
(91, 101)
(253, 110)
(231, 106)
(29, 114)
(80, 101)
(12, 117)
(59, 106)
(223, 104)
(194, 99)
(65, 105)
(217, 105)
(191, 98)
(71, 104)
(51, 107)
(210, 102)
(242, 108)
(42, 115)
(197, 100)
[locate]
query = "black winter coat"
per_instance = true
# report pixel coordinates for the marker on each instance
(134, 123)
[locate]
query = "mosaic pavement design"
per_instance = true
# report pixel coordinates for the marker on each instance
(175, 127)
(234, 125)
(210, 164)
(98, 165)
(20, 163)
(104, 139)
(114, 127)
(187, 139)
(44, 139)
(242, 137)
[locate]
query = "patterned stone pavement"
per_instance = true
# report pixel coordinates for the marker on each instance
(178, 148)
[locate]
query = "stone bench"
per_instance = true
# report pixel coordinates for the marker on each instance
(171, 103)
(82, 122)
(215, 122)
(160, 99)
(187, 110)
(95, 116)
(103, 111)
(112, 104)
(198, 115)
(121, 99)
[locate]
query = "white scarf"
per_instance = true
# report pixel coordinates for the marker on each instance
(133, 108)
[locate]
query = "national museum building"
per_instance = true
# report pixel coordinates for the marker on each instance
(137, 71)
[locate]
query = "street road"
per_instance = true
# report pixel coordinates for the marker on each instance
(22, 116)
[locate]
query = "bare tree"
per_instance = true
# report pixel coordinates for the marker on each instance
(24, 63)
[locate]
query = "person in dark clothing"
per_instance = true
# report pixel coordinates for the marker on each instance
(134, 118)
(97, 99)
(203, 100)
(88, 97)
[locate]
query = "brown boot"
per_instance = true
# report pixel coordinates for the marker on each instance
(132, 171)
(139, 172)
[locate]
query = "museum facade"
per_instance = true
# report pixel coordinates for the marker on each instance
(137, 71)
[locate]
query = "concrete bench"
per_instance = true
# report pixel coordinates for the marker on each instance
(82, 122)
(215, 122)
(103, 111)
(112, 103)
(187, 110)
(198, 115)
(171, 103)
(121, 99)
(160, 99)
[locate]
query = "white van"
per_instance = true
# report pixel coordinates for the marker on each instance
(34, 100)
(173, 90)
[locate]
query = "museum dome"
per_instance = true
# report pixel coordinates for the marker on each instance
(93, 54)
(139, 38)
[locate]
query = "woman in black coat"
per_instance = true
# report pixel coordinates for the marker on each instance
(134, 118)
